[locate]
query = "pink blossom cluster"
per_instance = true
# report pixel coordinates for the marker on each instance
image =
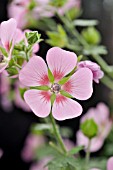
(25, 11)
(100, 114)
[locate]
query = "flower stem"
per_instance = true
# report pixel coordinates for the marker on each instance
(57, 134)
(88, 154)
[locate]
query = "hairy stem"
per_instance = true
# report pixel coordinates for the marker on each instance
(57, 134)
(88, 155)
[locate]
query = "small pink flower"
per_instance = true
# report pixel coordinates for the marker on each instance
(94, 67)
(8, 37)
(60, 62)
(100, 114)
(110, 164)
(31, 144)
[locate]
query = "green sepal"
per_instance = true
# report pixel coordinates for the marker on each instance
(22, 91)
(12, 71)
(53, 97)
(50, 76)
(79, 58)
(45, 88)
(75, 150)
(3, 51)
(89, 128)
(64, 80)
(33, 37)
(66, 94)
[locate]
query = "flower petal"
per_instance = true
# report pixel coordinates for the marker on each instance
(39, 102)
(61, 62)
(96, 143)
(34, 73)
(65, 108)
(110, 163)
(7, 32)
(80, 84)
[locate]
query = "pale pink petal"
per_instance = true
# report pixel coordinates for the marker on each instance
(103, 111)
(35, 48)
(34, 73)
(61, 62)
(110, 164)
(7, 32)
(39, 102)
(96, 143)
(18, 36)
(80, 84)
(65, 108)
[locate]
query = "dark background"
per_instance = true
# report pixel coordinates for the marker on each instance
(15, 126)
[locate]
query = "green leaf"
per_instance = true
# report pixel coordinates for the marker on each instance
(50, 76)
(3, 51)
(91, 35)
(89, 128)
(85, 23)
(12, 71)
(64, 80)
(58, 3)
(63, 163)
(41, 128)
(79, 58)
(95, 50)
(66, 132)
(58, 38)
(22, 91)
(33, 37)
(74, 13)
(53, 97)
(45, 88)
(66, 94)
(76, 150)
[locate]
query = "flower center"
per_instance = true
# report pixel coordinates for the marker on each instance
(55, 88)
(1, 58)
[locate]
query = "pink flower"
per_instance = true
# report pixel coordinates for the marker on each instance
(8, 36)
(6, 102)
(100, 114)
(41, 165)
(94, 67)
(20, 10)
(31, 144)
(19, 102)
(60, 62)
(110, 164)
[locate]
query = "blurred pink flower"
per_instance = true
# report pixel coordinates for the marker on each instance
(100, 114)
(94, 67)
(1, 152)
(41, 165)
(20, 10)
(110, 164)
(68, 144)
(8, 37)
(60, 62)
(6, 103)
(19, 102)
(31, 144)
